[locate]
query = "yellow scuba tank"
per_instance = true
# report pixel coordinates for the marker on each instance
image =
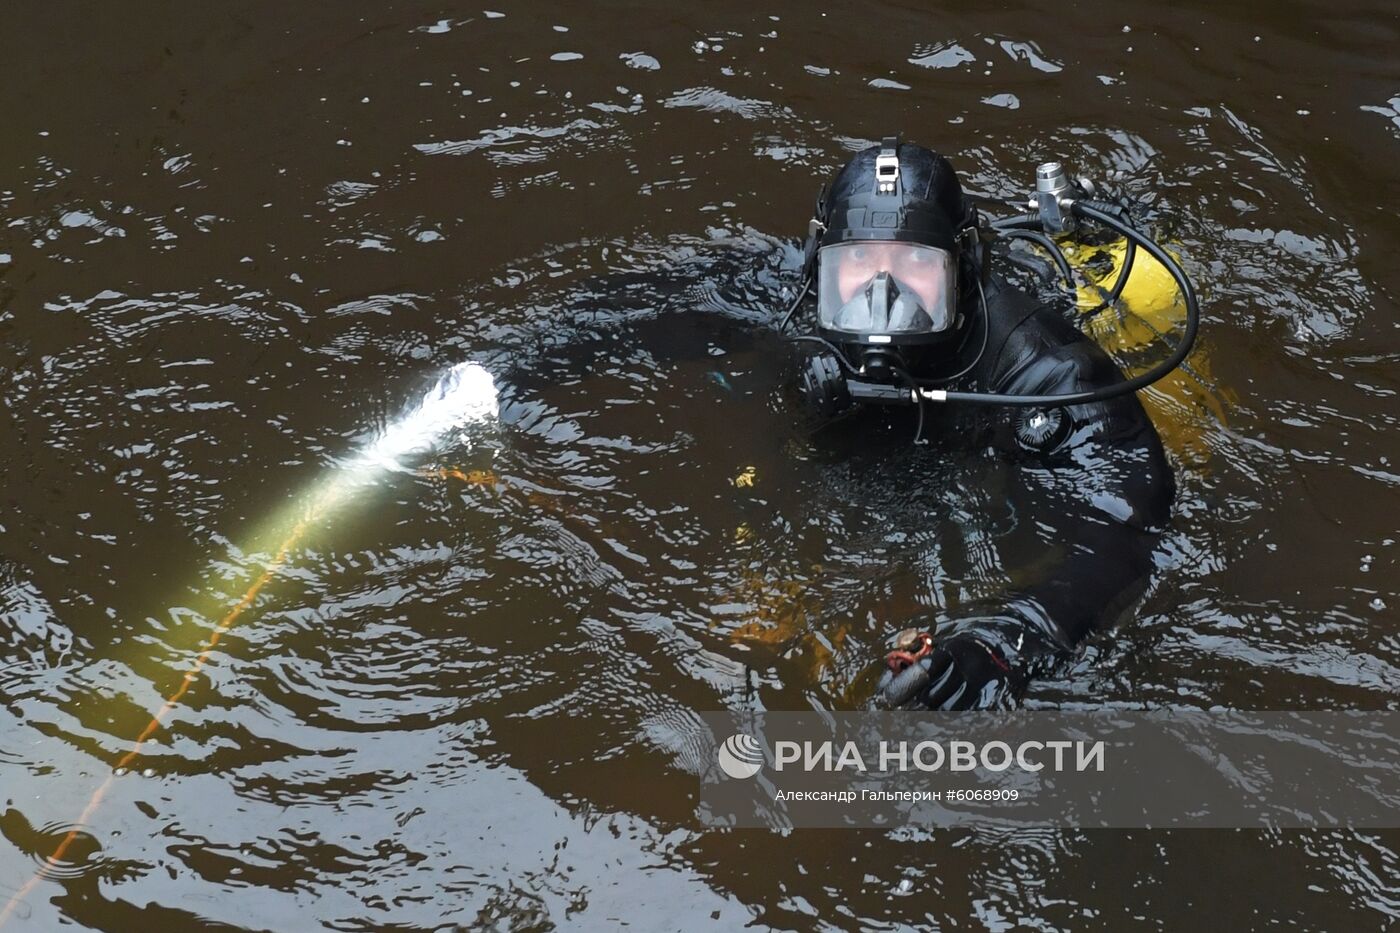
(1149, 308)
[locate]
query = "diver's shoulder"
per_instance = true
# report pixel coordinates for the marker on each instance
(1023, 327)
(1004, 298)
(1014, 310)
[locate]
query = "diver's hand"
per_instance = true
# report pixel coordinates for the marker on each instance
(964, 673)
(961, 672)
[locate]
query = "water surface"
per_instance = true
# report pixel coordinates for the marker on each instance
(237, 243)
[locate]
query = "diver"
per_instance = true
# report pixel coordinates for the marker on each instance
(909, 311)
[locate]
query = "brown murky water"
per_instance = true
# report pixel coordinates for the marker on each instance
(236, 241)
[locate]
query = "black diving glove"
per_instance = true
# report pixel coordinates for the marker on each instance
(961, 671)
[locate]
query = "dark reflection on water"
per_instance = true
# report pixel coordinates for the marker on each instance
(236, 242)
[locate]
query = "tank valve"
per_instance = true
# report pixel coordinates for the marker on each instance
(1054, 192)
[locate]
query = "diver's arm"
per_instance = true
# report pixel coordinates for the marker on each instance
(1090, 504)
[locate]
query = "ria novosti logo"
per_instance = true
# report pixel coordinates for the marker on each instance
(741, 756)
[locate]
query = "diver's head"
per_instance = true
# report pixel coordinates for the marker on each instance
(888, 262)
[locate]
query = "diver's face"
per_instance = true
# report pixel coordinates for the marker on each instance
(914, 267)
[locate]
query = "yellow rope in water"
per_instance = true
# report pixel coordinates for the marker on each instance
(319, 506)
(460, 396)
(56, 857)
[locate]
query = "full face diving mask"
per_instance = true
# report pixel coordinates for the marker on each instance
(878, 292)
(888, 246)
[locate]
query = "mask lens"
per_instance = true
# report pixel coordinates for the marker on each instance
(885, 287)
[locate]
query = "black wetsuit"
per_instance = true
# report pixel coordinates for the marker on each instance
(1095, 557)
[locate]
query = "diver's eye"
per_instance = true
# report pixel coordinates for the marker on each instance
(860, 253)
(918, 257)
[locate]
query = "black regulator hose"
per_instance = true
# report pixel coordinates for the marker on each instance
(846, 367)
(1029, 221)
(1104, 213)
(908, 380)
(1123, 274)
(1027, 227)
(981, 351)
(796, 302)
(1047, 244)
